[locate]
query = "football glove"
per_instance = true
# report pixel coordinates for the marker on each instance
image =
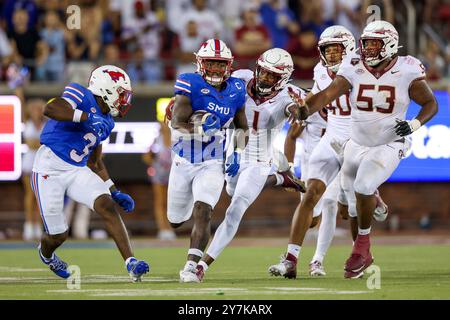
(98, 125)
(405, 127)
(123, 200)
(211, 124)
(232, 164)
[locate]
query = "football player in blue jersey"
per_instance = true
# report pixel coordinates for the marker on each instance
(69, 162)
(197, 174)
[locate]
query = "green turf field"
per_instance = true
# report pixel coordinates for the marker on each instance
(407, 272)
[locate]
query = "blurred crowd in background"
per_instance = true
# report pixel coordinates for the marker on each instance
(155, 39)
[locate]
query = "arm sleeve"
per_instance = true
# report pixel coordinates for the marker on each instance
(415, 70)
(73, 94)
(347, 69)
(183, 85)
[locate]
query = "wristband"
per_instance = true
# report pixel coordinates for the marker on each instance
(238, 150)
(77, 115)
(415, 124)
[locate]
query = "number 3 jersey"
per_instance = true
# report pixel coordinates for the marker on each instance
(379, 97)
(73, 142)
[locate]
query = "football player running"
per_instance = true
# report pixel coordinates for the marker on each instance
(381, 85)
(324, 163)
(269, 102)
(70, 162)
(197, 174)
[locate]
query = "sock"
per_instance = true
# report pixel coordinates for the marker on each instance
(47, 260)
(204, 265)
(326, 229)
(293, 252)
(364, 232)
(128, 260)
(190, 265)
(280, 179)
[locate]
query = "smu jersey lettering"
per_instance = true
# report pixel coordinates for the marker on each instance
(224, 104)
(73, 142)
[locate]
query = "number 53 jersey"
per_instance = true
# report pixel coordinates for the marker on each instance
(73, 142)
(379, 97)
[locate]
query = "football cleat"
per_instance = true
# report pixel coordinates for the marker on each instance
(356, 264)
(286, 268)
(316, 269)
(353, 275)
(291, 183)
(190, 276)
(381, 210)
(137, 268)
(55, 264)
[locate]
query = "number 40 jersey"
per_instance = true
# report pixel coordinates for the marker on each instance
(73, 142)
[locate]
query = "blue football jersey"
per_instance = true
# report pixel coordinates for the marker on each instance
(224, 104)
(73, 142)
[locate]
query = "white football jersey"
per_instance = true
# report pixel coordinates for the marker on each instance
(265, 117)
(339, 111)
(316, 126)
(378, 98)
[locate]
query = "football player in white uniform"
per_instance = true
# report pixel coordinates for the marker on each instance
(269, 102)
(325, 160)
(381, 86)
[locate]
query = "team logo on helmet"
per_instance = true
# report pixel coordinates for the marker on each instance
(115, 75)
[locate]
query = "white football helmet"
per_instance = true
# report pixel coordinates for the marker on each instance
(214, 49)
(113, 85)
(384, 31)
(336, 35)
(276, 61)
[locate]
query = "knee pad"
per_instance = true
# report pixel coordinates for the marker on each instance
(230, 189)
(364, 186)
(237, 209)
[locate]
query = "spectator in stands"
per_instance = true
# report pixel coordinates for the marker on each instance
(141, 70)
(143, 32)
(313, 17)
(280, 21)
(209, 23)
(231, 12)
(251, 39)
(84, 45)
(433, 61)
(5, 52)
(28, 48)
(111, 55)
(159, 160)
(175, 9)
(53, 36)
(303, 49)
(170, 48)
(34, 123)
(11, 6)
(349, 15)
(190, 41)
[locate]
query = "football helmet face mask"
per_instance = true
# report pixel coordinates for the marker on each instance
(211, 52)
(113, 85)
(276, 62)
(335, 35)
(387, 36)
